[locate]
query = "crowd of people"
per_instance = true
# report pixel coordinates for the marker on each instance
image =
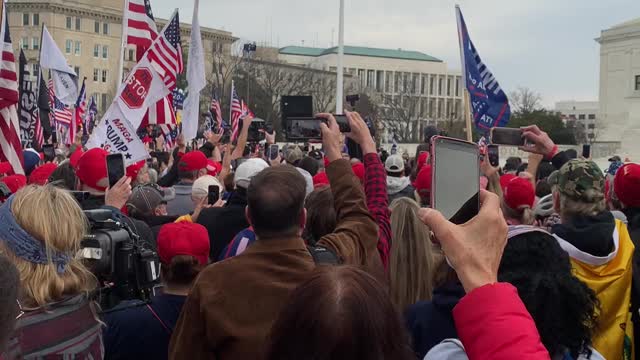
(318, 255)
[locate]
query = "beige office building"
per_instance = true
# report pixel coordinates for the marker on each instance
(89, 33)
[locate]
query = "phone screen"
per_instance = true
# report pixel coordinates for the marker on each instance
(49, 152)
(586, 151)
(303, 128)
(456, 179)
(214, 194)
(273, 151)
(115, 168)
(493, 151)
(507, 136)
(343, 123)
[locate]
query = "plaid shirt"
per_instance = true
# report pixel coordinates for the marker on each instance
(375, 188)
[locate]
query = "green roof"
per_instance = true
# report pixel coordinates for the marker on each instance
(360, 51)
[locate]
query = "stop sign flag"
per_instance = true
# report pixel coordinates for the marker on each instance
(137, 88)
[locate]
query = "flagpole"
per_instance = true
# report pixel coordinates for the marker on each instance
(340, 66)
(466, 98)
(125, 22)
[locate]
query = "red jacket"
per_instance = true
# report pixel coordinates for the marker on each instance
(493, 323)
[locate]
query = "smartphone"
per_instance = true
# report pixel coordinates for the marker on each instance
(214, 194)
(507, 136)
(455, 179)
(493, 151)
(343, 123)
(115, 168)
(302, 128)
(49, 152)
(273, 151)
(586, 151)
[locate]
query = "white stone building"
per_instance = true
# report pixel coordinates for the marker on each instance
(620, 85)
(437, 89)
(583, 114)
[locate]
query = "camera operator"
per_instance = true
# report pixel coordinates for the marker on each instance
(91, 171)
(143, 331)
(41, 232)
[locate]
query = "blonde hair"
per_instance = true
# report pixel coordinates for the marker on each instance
(569, 207)
(413, 259)
(524, 214)
(52, 216)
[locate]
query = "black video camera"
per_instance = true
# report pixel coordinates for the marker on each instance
(120, 259)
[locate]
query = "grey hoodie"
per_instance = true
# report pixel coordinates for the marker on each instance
(452, 349)
(398, 187)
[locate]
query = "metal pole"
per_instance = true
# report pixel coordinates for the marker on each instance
(467, 115)
(125, 21)
(340, 80)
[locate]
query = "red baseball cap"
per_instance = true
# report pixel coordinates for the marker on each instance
(73, 159)
(15, 182)
(358, 169)
(6, 168)
(519, 192)
(627, 185)
(320, 179)
(213, 168)
(505, 179)
(423, 182)
(92, 169)
(40, 176)
(183, 238)
(192, 161)
(134, 169)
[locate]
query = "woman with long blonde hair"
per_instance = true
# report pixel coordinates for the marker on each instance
(41, 231)
(413, 259)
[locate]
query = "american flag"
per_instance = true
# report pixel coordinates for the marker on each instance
(62, 116)
(10, 145)
(236, 113)
(166, 53)
(141, 26)
(161, 113)
(245, 110)
(81, 108)
(39, 141)
(170, 133)
(216, 111)
(90, 119)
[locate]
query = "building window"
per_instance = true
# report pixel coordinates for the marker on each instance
(592, 116)
(572, 116)
(448, 86)
(25, 19)
(68, 24)
(96, 27)
(431, 86)
(457, 86)
(581, 117)
(637, 82)
(35, 43)
(423, 85)
(103, 101)
(105, 29)
(36, 69)
(105, 51)
(78, 48)
(67, 46)
(96, 51)
(77, 70)
(24, 43)
(36, 19)
(78, 21)
(591, 126)
(96, 73)
(132, 55)
(440, 80)
(104, 76)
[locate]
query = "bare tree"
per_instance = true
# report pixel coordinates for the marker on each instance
(525, 101)
(225, 66)
(400, 116)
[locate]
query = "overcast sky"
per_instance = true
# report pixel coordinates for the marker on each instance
(546, 45)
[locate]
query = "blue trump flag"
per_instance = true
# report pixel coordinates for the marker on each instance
(489, 103)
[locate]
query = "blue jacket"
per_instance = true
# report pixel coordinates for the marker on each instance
(431, 322)
(239, 244)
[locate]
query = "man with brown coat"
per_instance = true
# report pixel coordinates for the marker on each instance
(233, 303)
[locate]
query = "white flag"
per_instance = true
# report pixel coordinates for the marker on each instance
(119, 137)
(195, 78)
(65, 80)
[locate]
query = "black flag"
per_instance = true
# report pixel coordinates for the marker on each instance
(27, 106)
(43, 105)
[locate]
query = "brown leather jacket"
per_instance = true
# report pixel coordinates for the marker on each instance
(234, 303)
